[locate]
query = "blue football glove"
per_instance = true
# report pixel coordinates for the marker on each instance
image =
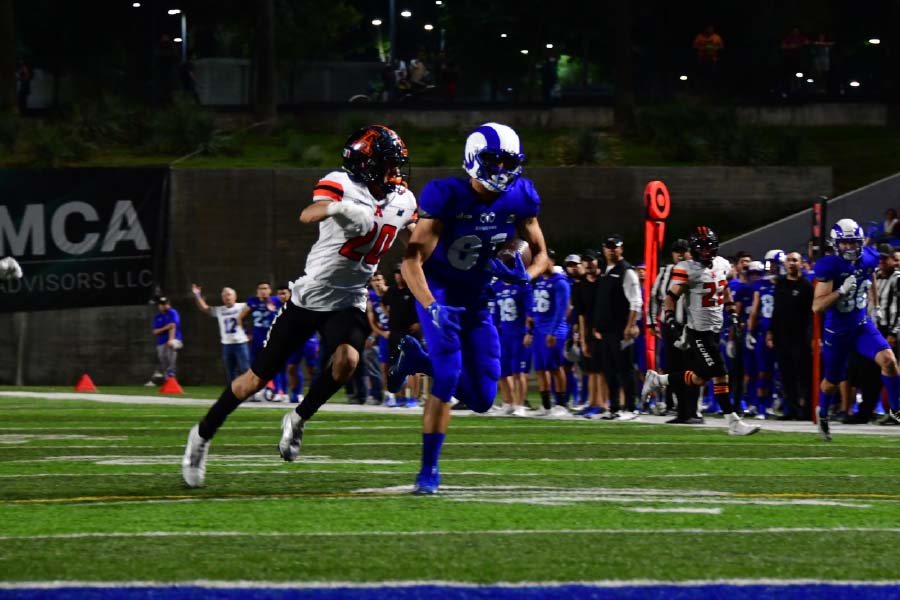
(445, 318)
(517, 274)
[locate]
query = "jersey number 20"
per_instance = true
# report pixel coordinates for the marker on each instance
(383, 241)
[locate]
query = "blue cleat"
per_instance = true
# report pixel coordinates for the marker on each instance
(411, 360)
(427, 483)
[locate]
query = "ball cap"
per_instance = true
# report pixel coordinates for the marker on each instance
(680, 245)
(885, 250)
(573, 258)
(162, 300)
(613, 241)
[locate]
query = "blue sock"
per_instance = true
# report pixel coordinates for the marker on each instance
(571, 386)
(825, 401)
(892, 385)
(431, 450)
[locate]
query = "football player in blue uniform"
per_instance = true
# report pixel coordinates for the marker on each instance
(843, 295)
(513, 303)
(743, 302)
(449, 264)
(552, 291)
(758, 325)
(262, 310)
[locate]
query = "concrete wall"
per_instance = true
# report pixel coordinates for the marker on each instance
(791, 233)
(237, 227)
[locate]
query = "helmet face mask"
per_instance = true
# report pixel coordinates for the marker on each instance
(493, 156)
(376, 155)
(704, 245)
(847, 238)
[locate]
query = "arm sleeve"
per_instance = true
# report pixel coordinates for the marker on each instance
(329, 188)
(632, 288)
(434, 201)
(560, 303)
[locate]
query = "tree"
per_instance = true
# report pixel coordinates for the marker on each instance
(7, 58)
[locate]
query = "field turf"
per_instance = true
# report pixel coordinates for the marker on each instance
(92, 492)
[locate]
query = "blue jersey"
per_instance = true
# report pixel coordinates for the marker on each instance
(262, 316)
(380, 314)
(513, 302)
(472, 232)
(164, 318)
(847, 313)
(551, 300)
(766, 289)
(743, 292)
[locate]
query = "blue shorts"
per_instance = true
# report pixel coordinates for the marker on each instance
(309, 353)
(547, 359)
(836, 348)
(765, 356)
(464, 364)
(383, 355)
(514, 356)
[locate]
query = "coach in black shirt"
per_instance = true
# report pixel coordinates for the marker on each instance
(791, 336)
(401, 308)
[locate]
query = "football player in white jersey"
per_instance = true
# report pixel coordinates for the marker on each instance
(704, 279)
(360, 212)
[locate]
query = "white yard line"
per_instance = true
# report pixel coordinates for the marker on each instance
(444, 532)
(779, 426)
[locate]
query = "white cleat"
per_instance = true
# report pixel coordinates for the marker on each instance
(193, 464)
(736, 426)
(280, 398)
(291, 436)
(559, 411)
(520, 411)
(627, 415)
(653, 384)
(823, 428)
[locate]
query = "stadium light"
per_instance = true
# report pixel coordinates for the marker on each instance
(438, 2)
(174, 11)
(136, 4)
(549, 46)
(799, 75)
(683, 78)
(854, 83)
(376, 22)
(503, 35)
(428, 27)
(177, 40)
(810, 80)
(406, 14)
(874, 41)
(523, 51)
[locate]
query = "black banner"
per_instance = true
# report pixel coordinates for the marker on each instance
(84, 237)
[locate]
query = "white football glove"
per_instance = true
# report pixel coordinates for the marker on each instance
(749, 341)
(730, 349)
(10, 269)
(353, 218)
(848, 288)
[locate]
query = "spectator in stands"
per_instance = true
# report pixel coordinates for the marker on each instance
(794, 57)
(708, 44)
(167, 329)
(24, 75)
(791, 335)
(821, 62)
(617, 305)
(549, 79)
(448, 75)
(890, 223)
(419, 75)
(235, 346)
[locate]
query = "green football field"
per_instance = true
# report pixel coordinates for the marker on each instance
(91, 492)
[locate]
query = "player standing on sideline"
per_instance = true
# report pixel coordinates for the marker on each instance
(231, 330)
(378, 320)
(704, 280)
(167, 329)
(360, 211)
(262, 309)
(551, 302)
(759, 324)
(514, 302)
(845, 284)
(449, 264)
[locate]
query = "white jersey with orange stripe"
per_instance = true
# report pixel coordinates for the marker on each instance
(340, 264)
(706, 292)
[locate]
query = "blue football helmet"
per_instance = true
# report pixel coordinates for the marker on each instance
(847, 237)
(774, 264)
(494, 156)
